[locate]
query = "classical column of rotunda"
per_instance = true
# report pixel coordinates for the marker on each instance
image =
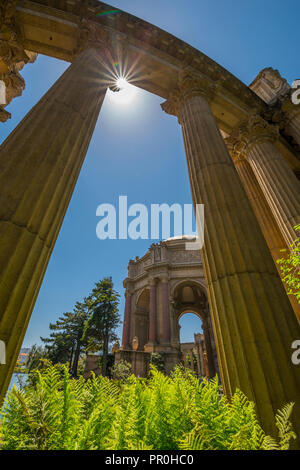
(40, 162)
(272, 187)
(255, 140)
(253, 321)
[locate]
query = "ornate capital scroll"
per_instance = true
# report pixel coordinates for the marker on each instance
(13, 56)
(254, 130)
(189, 85)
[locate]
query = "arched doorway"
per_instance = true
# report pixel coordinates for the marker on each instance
(200, 355)
(141, 324)
(192, 344)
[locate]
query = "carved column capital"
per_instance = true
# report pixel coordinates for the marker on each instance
(189, 85)
(13, 56)
(164, 278)
(127, 284)
(254, 130)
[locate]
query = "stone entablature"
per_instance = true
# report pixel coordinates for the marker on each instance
(62, 29)
(269, 85)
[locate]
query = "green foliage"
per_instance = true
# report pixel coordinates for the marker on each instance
(177, 412)
(103, 318)
(90, 327)
(121, 371)
(158, 361)
(290, 267)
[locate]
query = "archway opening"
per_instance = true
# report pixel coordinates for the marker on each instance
(190, 324)
(192, 343)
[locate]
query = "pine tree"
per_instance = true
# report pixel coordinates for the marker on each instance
(103, 317)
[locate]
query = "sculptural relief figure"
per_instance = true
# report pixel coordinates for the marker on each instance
(135, 343)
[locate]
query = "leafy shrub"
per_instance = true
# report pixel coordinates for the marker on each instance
(290, 267)
(121, 371)
(162, 413)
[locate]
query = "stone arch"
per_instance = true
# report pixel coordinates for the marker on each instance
(141, 317)
(198, 282)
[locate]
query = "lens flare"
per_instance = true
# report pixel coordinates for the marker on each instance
(126, 93)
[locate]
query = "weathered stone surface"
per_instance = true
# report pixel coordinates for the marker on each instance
(39, 165)
(13, 55)
(165, 283)
(252, 318)
(255, 139)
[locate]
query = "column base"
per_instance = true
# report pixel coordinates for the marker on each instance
(150, 347)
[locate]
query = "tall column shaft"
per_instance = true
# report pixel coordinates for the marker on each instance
(209, 349)
(152, 313)
(291, 120)
(39, 165)
(127, 322)
(293, 128)
(166, 333)
(202, 363)
(266, 220)
(279, 184)
(253, 321)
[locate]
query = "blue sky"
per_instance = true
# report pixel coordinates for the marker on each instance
(137, 150)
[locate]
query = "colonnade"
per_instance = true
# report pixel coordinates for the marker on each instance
(152, 340)
(253, 321)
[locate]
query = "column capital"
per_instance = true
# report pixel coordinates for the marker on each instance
(13, 56)
(189, 84)
(127, 284)
(152, 281)
(249, 133)
(164, 278)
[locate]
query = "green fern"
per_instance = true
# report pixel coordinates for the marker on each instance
(57, 412)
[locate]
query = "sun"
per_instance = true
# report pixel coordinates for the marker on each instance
(126, 93)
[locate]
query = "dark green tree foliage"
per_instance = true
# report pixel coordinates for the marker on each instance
(65, 343)
(162, 413)
(290, 267)
(35, 355)
(158, 361)
(103, 317)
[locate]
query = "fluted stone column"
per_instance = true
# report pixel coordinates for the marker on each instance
(191, 354)
(201, 347)
(266, 220)
(209, 350)
(152, 313)
(39, 165)
(166, 333)
(198, 360)
(127, 321)
(253, 322)
(277, 181)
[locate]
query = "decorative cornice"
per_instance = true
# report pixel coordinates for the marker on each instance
(189, 85)
(250, 133)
